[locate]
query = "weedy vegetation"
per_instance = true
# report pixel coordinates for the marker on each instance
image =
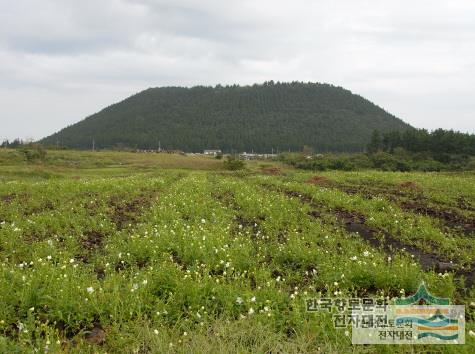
(155, 253)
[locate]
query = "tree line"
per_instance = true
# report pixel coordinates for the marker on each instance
(411, 150)
(15, 143)
(439, 141)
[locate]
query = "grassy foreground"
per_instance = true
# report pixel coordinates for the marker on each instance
(150, 253)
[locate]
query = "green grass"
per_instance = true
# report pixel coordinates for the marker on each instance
(170, 253)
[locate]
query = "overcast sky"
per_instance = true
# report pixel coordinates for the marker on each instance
(62, 60)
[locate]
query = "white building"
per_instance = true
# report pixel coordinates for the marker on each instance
(253, 156)
(212, 152)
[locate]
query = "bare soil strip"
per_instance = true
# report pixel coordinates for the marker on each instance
(409, 197)
(123, 213)
(92, 240)
(355, 222)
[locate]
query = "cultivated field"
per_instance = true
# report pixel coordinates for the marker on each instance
(151, 253)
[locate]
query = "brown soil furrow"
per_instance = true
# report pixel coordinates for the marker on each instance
(123, 213)
(415, 202)
(356, 223)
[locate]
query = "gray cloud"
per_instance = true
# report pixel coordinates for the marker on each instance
(61, 60)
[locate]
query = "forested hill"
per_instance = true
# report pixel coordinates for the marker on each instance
(278, 116)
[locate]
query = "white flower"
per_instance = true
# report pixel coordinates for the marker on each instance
(366, 253)
(90, 290)
(71, 260)
(471, 333)
(202, 221)
(48, 258)
(251, 311)
(253, 299)
(155, 331)
(185, 334)
(239, 300)
(354, 258)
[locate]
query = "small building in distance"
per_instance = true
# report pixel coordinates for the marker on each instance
(212, 152)
(253, 156)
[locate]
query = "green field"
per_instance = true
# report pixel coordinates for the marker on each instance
(150, 253)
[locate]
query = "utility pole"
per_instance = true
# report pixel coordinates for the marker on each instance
(159, 146)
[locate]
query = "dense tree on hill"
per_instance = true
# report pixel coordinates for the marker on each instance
(375, 143)
(437, 142)
(263, 118)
